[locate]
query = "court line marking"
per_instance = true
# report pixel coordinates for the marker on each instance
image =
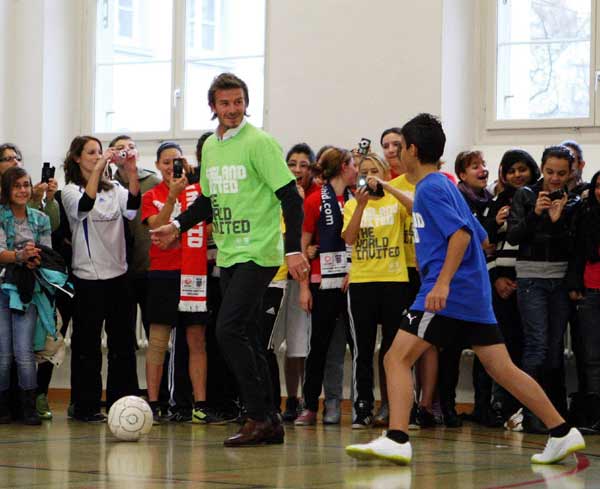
(582, 464)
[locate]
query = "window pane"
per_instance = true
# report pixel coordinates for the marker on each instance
(126, 3)
(125, 23)
(544, 55)
(129, 76)
(208, 10)
(239, 40)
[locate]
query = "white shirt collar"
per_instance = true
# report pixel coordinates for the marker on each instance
(233, 131)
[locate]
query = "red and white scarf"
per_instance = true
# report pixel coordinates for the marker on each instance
(192, 295)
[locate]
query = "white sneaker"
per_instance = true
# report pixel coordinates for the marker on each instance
(558, 449)
(382, 448)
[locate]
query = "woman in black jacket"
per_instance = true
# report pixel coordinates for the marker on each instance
(583, 282)
(517, 169)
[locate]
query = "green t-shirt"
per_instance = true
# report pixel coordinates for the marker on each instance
(241, 175)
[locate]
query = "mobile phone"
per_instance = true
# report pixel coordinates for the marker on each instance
(556, 195)
(47, 172)
(177, 168)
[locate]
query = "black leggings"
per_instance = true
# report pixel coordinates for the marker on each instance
(328, 304)
(372, 304)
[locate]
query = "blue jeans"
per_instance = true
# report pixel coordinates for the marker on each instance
(16, 339)
(544, 306)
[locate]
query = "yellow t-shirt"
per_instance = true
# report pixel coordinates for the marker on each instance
(401, 183)
(378, 253)
(283, 269)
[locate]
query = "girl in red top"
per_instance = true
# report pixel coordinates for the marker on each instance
(159, 206)
(323, 223)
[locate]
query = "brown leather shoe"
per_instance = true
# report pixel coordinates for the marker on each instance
(252, 433)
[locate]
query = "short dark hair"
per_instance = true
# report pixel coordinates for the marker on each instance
(14, 147)
(561, 152)
(118, 138)
(200, 144)
(73, 171)
(574, 145)
(425, 132)
(167, 145)
(391, 130)
(301, 148)
(464, 159)
(227, 81)
(8, 180)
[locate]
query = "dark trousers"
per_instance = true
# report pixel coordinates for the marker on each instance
(589, 312)
(271, 304)
(243, 286)
(97, 302)
(328, 304)
(221, 387)
(509, 320)
(176, 386)
(372, 304)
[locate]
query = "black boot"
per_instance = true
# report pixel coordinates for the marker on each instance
(4, 407)
(30, 414)
(451, 419)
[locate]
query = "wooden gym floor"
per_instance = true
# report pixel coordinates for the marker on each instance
(68, 454)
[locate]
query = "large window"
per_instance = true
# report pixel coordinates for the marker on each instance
(155, 59)
(543, 72)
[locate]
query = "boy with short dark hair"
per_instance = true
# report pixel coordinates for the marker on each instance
(453, 305)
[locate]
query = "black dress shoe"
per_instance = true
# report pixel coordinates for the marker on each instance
(253, 433)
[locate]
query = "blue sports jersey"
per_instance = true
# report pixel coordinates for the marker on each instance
(439, 210)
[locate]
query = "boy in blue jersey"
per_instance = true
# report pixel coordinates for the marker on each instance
(453, 305)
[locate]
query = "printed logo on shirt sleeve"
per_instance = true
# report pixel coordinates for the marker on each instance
(418, 223)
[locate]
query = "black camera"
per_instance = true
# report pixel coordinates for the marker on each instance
(364, 145)
(47, 172)
(177, 167)
(362, 183)
(556, 195)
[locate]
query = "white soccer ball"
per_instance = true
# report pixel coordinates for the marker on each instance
(129, 418)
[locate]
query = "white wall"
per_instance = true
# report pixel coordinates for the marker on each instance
(459, 79)
(340, 70)
(4, 23)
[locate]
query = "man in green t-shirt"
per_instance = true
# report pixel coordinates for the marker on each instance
(247, 185)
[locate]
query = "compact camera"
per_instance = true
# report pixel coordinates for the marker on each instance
(556, 195)
(177, 167)
(47, 172)
(362, 183)
(364, 145)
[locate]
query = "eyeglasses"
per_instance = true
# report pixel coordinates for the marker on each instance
(6, 159)
(19, 186)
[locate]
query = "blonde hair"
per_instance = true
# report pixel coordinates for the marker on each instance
(383, 165)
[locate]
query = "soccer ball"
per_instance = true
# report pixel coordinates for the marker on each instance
(129, 418)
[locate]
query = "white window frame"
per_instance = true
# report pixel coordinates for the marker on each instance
(134, 28)
(489, 42)
(177, 131)
(215, 24)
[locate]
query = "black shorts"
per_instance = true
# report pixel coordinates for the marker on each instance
(443, 331)
(162, 306)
